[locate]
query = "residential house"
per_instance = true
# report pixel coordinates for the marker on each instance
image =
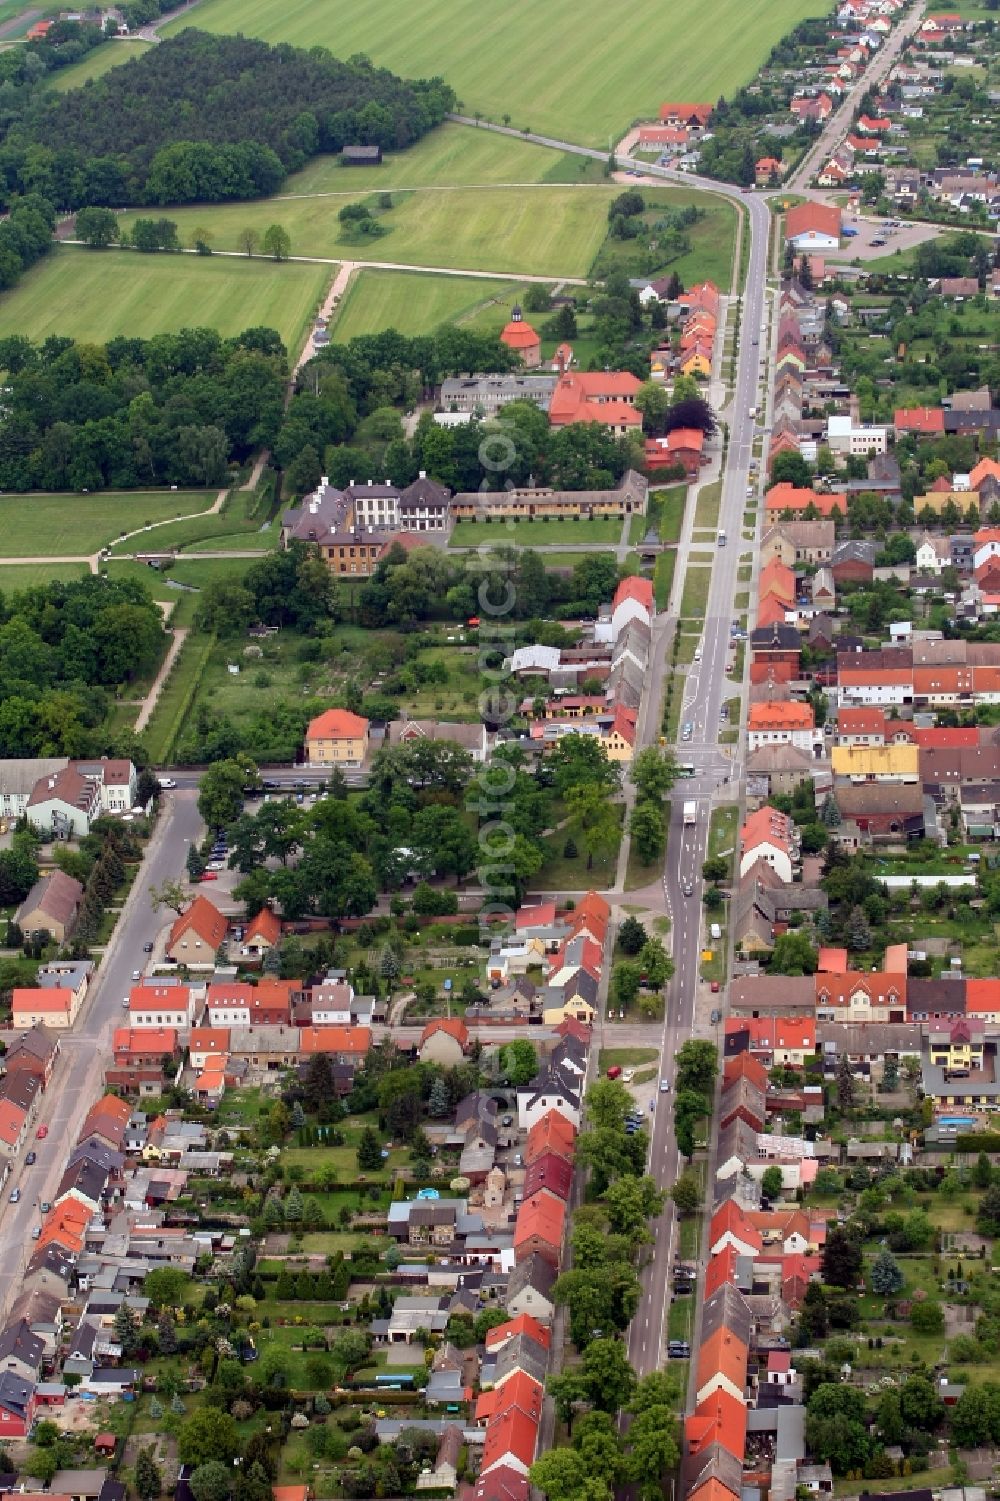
(337, 738)
(196, 937)
(444, 1041)
(52, 905)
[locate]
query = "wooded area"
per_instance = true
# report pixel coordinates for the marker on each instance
(174, 409)
(205, 118)
(62, 647)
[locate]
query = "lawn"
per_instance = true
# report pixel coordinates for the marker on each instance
(626, 1057)
(240, 524)
(694, 600)
(451, 154)
(98, 295)
(30, 575)
(707, 509)
(539, 533)
(98, 62)
(537, 230)
(722, 830)
(666, 508)
(562, 872)
(550, 68)
(663, 578)
(67, 524)
(414, 304)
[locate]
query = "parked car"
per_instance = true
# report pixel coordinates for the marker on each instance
(715, 987)
(147, 948)
(614, 1072)
(31, 1158)
(628, 1075)
(42, 1132)
(137, 974)
(210, 875)
(45, 1206)
(716, 1015)
(15, 1195)
(508, 1120)
(36, 1232)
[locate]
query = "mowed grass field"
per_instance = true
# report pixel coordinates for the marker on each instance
(453, 154)
(54, 525)
(16, 576)
(573, 70)
(99, 294)
(414, 304)
(547, 230)
(98, 62)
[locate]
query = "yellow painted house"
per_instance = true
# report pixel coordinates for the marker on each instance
(697, 362)
(337, 738)
(876, 763)
(937, 501)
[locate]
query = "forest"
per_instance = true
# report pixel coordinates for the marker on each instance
(172, 410)
(203, 118)
(63, 648)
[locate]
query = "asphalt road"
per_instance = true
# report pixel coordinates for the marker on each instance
(76, 1081)
(707, 686)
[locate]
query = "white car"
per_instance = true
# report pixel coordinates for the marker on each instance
(664, 1086)
(628, 1075)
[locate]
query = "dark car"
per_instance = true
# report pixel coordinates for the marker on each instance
(147, 948)
(31, 1157)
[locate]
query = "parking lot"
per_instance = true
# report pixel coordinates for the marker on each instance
(862, 246)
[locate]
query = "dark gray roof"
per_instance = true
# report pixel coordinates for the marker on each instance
(726, 1309)
(534, 1272)
(17, 1342)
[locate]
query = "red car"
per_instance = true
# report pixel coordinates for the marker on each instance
(42, 1132)
(715, 987)
(614, 1071)
(210, 875)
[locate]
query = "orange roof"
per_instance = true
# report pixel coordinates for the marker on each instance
(290, 1493)
(883, 987)
(12, 1119)
(720, 1419)
(788, 497)
(712, 1490)
(806, 217)
(795, 1032)
(831, 961)
(356, 1040)
(209, 1040)
(984, 469)
(337, 724)
(781, 714)
(730, 1218)
(722, 1267)
(538, 915)
(639, 589)
(777, 577)
(54, 1002)
(146, 1040)
(895, 960)
(450, 1024)
(683, 438)
(772, 611)
(519, 1391)
(986, 534)
(109, 1117)
(203, 919)
(520, 335)
(523, 1324)
(745, 1066)
(552, 1133)
(66, 1224)
(982, 996)
(946, 737)
(541, 1215)
(861, 721)
(767, 826)
(267, 926)
(918, 419)
(511, 1432)
(152, 997)
(595, 396)
(700, 112)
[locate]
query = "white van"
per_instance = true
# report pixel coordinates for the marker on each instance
(166, 782)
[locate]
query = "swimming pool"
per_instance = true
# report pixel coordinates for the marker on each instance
(957, 1120)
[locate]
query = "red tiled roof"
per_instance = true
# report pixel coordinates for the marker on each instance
(449, 1024)
(552, 1133)
(523, 1324)
(919, 419)
(356, 1040)
(812, 216)
(202, 918)
(543, 1216)
(267, 926)
(720, 1419)
(337, 724)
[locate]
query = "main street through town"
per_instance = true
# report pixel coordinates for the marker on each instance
(86, 1051)
(706, 688)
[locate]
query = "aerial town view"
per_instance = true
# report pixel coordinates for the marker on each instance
(500, 750)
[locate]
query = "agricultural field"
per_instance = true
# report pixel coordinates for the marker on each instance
(76, 525)
(97, 295)
(415, 304)
(537, 230)
(545, 68)
(450, 154)
(98, 62)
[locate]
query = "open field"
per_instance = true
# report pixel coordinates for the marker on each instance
(30, 575)
(99, 62)
(242, 523)
(534, 533)
(547, 230)
(68, 524)
(550, 68)
(98, 295)
(451, 154)
(414, 304)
